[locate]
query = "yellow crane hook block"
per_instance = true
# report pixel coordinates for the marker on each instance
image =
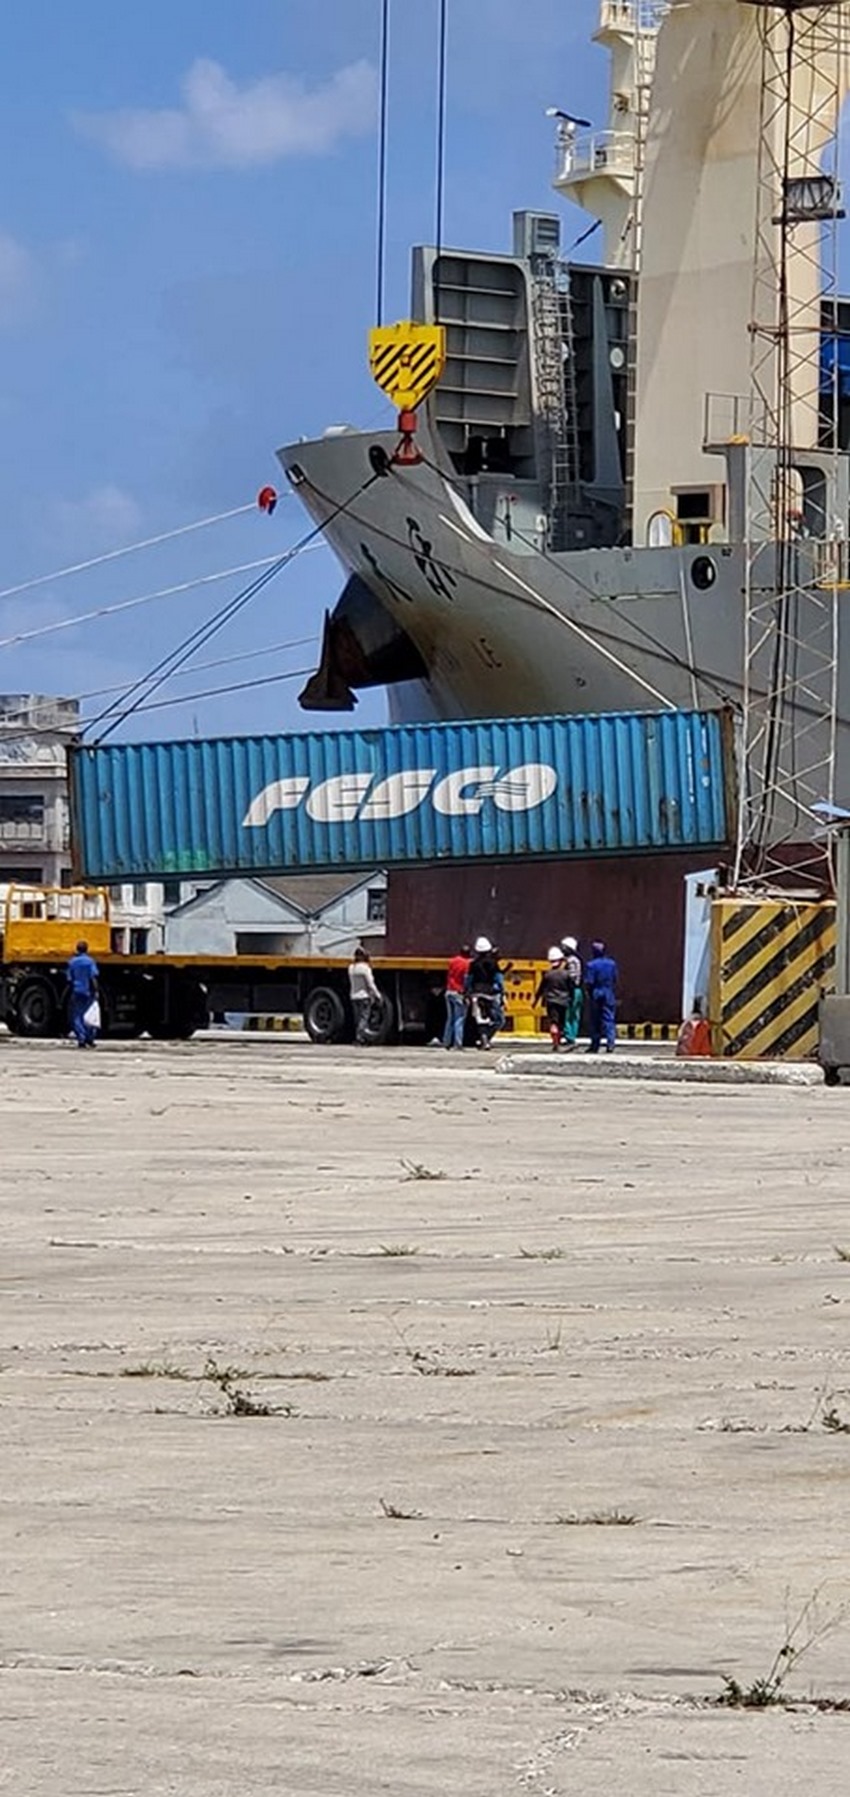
(406, 360)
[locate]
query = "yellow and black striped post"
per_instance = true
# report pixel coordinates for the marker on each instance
(647, 1032)
(771, 959)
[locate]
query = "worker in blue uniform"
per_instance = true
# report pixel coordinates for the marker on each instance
(601, 976)
(82, 992)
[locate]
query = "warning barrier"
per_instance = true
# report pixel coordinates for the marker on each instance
(647, 1032)
(521, 982)
(269, 1022)
(626, 1032)
(770, 961)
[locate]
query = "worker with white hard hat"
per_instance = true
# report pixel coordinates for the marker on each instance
(485, 989)
(576, 1006)
(555, 991)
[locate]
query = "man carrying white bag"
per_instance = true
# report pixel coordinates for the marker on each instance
(84, 1004)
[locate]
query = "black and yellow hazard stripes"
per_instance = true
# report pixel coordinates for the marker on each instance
(770, 962)
(407, 360)
(269, 1022)
(647, 1032)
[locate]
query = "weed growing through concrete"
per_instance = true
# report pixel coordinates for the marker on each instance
(430, 1368)
(800, 1635)
(598, 1519)
(396, 1514)
(554, 1334)
(843, 1253)
(542, 1253)
(239, 1402)
(418, 1170)
(832, 1420)
(398, 1250)
(156, 1369)
(426, 1364)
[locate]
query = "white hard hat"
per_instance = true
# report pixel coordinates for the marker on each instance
(569, 943)
(483, 945)
(555, 954)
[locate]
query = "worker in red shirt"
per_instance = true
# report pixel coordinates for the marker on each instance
(456, 1002)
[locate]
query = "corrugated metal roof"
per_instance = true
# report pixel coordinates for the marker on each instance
(516, 787)
(313, 892)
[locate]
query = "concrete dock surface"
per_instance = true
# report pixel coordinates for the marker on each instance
(372, 1422)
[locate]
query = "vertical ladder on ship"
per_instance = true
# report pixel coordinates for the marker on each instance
(647, 16)
(556, 391)
(570, 413)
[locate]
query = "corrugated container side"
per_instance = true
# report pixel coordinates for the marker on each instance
(636, 904)
(507, 789)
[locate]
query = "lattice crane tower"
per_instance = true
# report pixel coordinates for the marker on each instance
(797, 563)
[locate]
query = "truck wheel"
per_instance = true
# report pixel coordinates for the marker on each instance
(36, 1010)
(324, 1015)
(192, 1010)
(831, 1076)
(379, 1026)
(186, 1013)
(180, 1027)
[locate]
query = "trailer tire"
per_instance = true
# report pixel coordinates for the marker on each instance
(379, 1025)
(186, 1012)
(179, 1028)
(36, 1010)
(324, 1015)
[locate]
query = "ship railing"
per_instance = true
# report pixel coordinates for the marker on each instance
(733, 418)
(832, 563)
(632, 15)
(603, 153)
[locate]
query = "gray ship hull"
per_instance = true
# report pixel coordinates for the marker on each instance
(457, 624)
(503, 630)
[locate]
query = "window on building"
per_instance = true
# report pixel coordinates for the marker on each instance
(139, 893)
(24, 876)
(22, 808)
(171, 892)
(376, 905)
(66, 877)
(138, 942)
(263, 942)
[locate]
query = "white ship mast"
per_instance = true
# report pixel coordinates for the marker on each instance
(602, 171)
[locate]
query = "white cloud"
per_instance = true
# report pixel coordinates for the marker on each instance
(222, 125)
(16, 273)
(101, 519)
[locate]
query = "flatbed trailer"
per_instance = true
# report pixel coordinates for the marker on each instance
(169, 997)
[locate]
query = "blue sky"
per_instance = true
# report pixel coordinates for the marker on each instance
(187, 225)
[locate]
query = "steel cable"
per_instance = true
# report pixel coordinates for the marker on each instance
(383, 119)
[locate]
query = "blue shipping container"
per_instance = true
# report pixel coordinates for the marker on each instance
(414, 793)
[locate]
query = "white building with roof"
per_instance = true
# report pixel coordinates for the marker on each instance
(281, 915)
